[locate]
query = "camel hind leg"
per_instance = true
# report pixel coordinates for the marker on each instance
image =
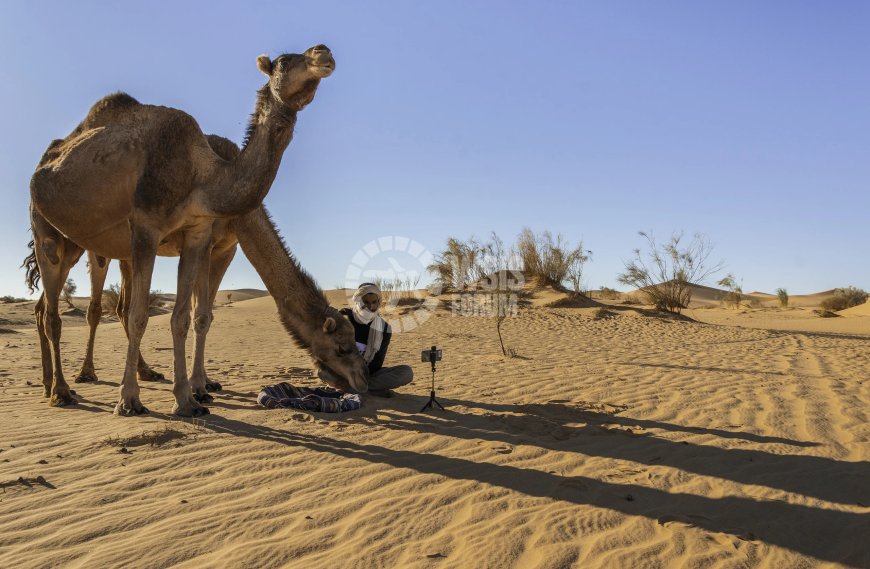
(204, 295)
(97, 269)
(44, 346)
(55, 256)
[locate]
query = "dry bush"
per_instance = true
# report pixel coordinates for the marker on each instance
(464, 264)
(112, 296)
(844, 298)
(733, 291)
(782, 295)
(10, 299)
(454, 266)
(69, 289)
(666, 273)
(551, 259)
(608, 293)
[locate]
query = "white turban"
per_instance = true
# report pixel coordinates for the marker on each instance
(362, 314)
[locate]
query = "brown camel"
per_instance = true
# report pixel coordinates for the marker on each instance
(133, 179)
(224, 245)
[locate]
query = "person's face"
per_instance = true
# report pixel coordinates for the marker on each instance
(371, 301)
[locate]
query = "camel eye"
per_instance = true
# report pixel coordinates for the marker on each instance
(343, 351)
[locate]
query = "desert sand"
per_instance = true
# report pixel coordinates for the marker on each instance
(616, 438)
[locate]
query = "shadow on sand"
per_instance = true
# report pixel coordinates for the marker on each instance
(775, 522)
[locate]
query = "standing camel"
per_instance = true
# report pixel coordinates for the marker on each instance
(223, 249)
(131, 178)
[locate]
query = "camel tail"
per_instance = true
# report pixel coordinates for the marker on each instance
(29, 265)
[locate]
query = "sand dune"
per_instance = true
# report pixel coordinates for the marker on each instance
(615, 439)
(860, 310)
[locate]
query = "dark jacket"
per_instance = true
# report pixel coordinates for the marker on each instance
(361, 335)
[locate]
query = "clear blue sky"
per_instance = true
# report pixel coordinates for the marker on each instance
(747, 121)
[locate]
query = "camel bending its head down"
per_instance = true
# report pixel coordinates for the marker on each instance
(132, 180)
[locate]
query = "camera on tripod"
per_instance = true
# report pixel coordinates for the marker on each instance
(431, 355)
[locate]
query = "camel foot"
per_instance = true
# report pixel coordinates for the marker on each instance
(203, 397)
(190, 409)
(213, 386)
(86, 377)
(148, 374)
(134, 407)
(62, 399)
(46, 392)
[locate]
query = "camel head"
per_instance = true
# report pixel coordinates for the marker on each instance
(293, 78)
(335, 351)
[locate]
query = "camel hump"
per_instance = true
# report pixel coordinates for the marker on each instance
(223, 147)
(52, 152)
(103, 110)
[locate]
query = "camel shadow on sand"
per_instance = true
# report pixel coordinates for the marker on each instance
(596, 430)
(774, 522)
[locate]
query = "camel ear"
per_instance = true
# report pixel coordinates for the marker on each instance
(329, 325)
(265, 64)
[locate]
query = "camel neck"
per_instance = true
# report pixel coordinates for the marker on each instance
(249, 177)
(301, 305)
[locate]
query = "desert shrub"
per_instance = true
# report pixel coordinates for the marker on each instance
(8, 299)
(69, 289)
(551, 259)
(782, 295)
(666, 273)
(844, 298)
(733, 291)
(112, 296)
(576, 260)
(454, 267)
(155, 299)
(463, 264)
(608, 293)
(545, 257)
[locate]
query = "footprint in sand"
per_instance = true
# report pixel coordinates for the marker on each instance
(300, 417)
(501, 449)
(688, 520)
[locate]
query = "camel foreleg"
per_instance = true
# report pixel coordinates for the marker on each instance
(194, 254)
(144, 244)
(144, 372)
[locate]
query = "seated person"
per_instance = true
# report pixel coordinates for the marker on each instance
(372, 339)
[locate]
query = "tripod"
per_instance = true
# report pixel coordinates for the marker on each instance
(433, 357)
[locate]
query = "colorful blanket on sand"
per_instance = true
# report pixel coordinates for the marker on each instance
(324, 399)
